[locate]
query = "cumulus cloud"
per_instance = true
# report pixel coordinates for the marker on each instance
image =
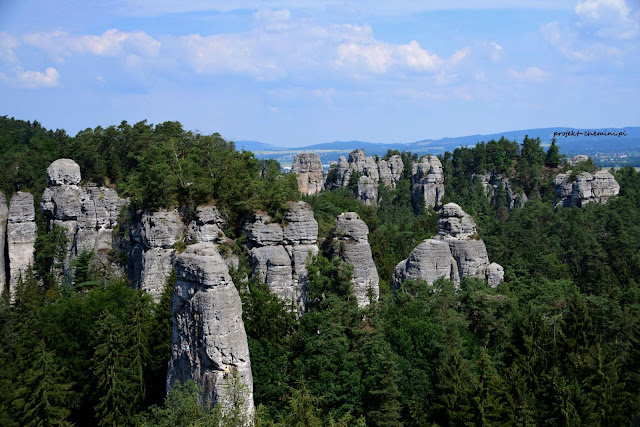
(8, 44)
(112, 42)
(37, 79)
(379, 57)
(599, 29)
(530, 74)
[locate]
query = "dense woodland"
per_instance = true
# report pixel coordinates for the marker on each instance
(558, 343)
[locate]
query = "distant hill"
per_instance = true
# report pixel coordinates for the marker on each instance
(570, 144)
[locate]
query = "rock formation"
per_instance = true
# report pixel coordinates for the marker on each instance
(21, 236)
(279, 255)
(586, 188)
(208, 339)
(427, 183)
(580, 158)
(89, 214)
(351, 243)
(387, 172)
(152, 249)
(491, 183)
(308, 167)
(4, 214)
(455, 252)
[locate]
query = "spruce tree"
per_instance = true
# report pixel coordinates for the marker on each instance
(553, 159)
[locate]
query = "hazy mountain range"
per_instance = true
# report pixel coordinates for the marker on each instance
(569, 144)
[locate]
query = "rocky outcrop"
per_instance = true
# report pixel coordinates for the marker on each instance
(21, 236)
(308, 167)
(351, 244)
(575, 160)
(587, 188)
(278, 255)
(427, 183)
(387, 172)
(4, 214)
(491, 182)
(367, 191)
(89, 214)
(455, 252)
(153, 240)
(208, 339)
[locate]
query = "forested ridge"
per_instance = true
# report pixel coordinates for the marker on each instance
(558, 343)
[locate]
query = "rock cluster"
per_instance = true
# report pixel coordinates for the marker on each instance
(387, 172)
(208, 338)
(350, 242)
(279, 254)
(491, 183)
(21, 237)
(455, 252)
(89, 214)
(580, 158)
(308, 167)
(427, 183)
(586, 188)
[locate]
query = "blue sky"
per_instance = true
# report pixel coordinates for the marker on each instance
(301, 72)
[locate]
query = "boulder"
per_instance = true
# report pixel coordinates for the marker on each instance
(208, 338)
(308, 167)
(429, 261)
(63, 172)
(21, 237)
(352, 245)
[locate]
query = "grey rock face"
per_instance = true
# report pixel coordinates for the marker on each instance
(427, 183)
(88, 213)
(308, 167)
(207, 226)
(367, 191)
(21, 236)
(63, 172)
(455, 252)
(4, 214)
(278, 256)
(587, 188)
(208, 338)
(352, 245)
(580, 158)
(491, 183)
(429, 261)
(388, 172)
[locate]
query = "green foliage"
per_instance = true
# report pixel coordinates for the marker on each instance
(553, 158)
(50, 252)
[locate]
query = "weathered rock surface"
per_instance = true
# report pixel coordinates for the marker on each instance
(491, 183)
(352, 245)
(63, 172)
(207, 226)
(387, 172)
(208, 338)
(4, 214)
(580, 158)
(21, 236)
(427, 183)
(455, 252)
(278, 256)
(152, 252)
(89, 214)
(367, 191)
(587, 188)
(308, 167)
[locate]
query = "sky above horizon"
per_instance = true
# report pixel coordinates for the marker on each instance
(296, 73)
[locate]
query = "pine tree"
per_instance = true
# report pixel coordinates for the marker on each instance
(44, 394)
(553, 159)
(109, 367)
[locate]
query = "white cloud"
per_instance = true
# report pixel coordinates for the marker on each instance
(112, 42)
(8, 44)
(37, 79)
(459, 55)
(607, 18)
(496, 52)
(379, 57)
(531, 74)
